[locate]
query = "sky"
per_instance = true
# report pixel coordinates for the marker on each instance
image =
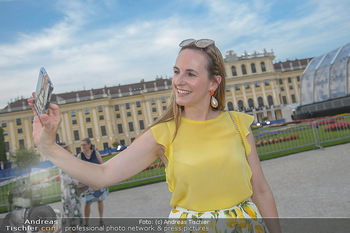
(85, 44)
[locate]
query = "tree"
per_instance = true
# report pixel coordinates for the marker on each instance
(2, 146)
(115, 144)
(265, 118)
(26, 158)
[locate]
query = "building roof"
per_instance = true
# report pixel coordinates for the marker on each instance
(231, 56)
(99, 93)
(145, 86)
(289, 65)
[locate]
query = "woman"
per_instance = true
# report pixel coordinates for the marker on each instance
(72, 214)
(93, 156)
(209, 161)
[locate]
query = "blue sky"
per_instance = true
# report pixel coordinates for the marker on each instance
(92, 43)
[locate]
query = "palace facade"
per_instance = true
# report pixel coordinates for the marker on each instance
(254, 84)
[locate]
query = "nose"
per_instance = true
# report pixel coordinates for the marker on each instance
(178, 80)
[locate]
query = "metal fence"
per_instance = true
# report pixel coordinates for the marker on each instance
(302, 134)
(268, 140)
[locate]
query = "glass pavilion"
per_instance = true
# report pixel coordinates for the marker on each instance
(326, 80)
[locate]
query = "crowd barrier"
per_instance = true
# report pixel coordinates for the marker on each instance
(293, 135)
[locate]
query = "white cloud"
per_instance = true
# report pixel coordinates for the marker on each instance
(77, 56)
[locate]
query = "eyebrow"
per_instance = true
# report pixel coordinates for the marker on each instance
(188, 70)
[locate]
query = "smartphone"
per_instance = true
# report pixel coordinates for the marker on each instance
(43, 92)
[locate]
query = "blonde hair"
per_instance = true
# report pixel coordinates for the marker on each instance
(215, 66)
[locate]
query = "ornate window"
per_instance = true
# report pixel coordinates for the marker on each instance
(251, 103)
(270, 100)
(244, 70)
(253, 68)
(234, 71)
(240, 105)
(230, 106)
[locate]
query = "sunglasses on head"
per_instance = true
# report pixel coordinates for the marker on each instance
(202, 43)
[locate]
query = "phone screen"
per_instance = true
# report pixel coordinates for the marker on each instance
(43, 93)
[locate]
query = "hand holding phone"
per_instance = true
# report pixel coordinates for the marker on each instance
(43, 93)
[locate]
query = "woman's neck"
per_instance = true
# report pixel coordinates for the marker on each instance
(87, 153)
(199, 114)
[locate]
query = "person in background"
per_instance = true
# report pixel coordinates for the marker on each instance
(72, 211)
(212, 166)
(91, 155)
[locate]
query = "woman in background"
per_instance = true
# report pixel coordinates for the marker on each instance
(92, 155)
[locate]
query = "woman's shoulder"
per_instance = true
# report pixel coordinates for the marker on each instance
(242, 115)
(166, 125)
(162, 132)
(244, 119)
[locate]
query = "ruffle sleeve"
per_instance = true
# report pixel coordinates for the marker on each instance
(244, 122)
(163, 133)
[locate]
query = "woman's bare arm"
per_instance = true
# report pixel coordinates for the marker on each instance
(262, 195)
(140, 154)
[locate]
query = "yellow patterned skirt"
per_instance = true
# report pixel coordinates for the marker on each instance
(244, 217)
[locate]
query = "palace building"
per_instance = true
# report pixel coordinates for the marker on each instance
(254, 84)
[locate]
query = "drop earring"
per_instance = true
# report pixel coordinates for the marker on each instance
(214, 103)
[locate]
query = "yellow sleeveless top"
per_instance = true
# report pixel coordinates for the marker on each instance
(207, 169)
